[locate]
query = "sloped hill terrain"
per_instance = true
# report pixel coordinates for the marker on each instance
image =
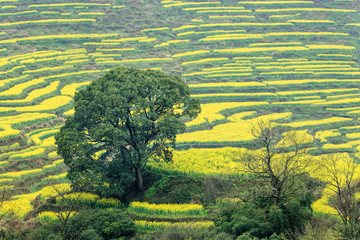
(292, 62)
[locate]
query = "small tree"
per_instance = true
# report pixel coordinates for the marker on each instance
(279, 160)
(68, 207)
(278, 200)
(338, 171)
(120, 121)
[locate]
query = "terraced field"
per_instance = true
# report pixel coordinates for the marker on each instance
(291, 62)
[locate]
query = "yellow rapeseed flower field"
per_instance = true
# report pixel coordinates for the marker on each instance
(69, 5)
(64, 20)
(167, 209)
(204, 60)
(178, 55)
(306, 10)
(274, 2)
(260, 49)
(210, 112)
(322, 135)
(59, 36)
(254, 61)
(239, 131)
(181, 4)
(153, 225)
(212, 8)
(317, 122)
(46, 105)
(6, 122)
(70, 89)
(203, 161)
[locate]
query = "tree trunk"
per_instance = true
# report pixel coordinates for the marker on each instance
(277, 186)
(140, 180)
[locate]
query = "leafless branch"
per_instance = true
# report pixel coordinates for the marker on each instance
(278, 157)
(69, 207)
(338, 171)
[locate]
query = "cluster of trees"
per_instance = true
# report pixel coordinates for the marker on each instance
(130, 115)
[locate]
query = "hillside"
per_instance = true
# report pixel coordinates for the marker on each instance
(295, 63)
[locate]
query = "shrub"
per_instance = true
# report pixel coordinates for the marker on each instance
(101, 224)
(174, 189)
(182, 233)
(90, 234)
(47, 231)
(261, 217)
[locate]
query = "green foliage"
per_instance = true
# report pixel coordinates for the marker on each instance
(47, 231)
(101, 224)
(262, 218)
(174, 189)
(322, 227)
(247, 236)
(90, 234)
(120, 121)
(277, 218)
(190, 189)
(243, 219)
(183, 233)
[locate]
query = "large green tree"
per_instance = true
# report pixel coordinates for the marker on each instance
(121, 120)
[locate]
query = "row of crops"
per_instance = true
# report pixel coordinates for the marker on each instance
(294, 63)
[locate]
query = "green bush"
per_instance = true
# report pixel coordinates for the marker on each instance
(244, 219)
(101, 224)
(190, 189)
(90, 234)
(261, 218)
(185, 233)
(174, 189)
(47, 231)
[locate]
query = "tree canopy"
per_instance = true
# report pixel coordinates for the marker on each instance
(121, 120)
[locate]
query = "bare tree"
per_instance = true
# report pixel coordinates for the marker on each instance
(69, 205)
(278, 160)
(338, 171)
